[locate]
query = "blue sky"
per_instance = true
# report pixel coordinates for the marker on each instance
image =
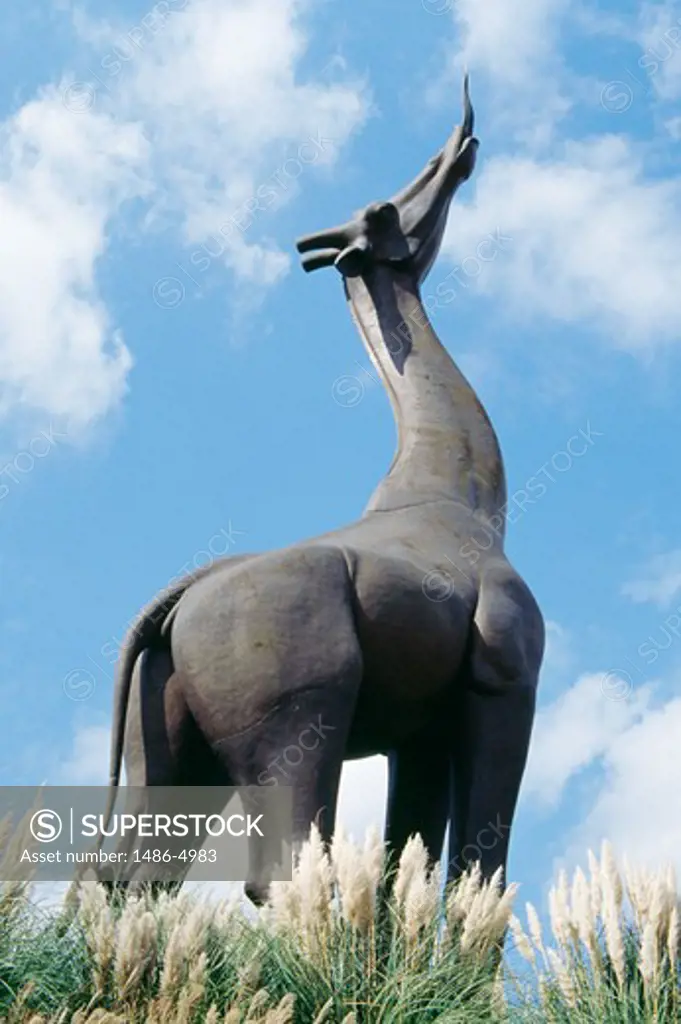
(173, 386)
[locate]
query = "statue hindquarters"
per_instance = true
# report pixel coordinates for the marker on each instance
(265, 653)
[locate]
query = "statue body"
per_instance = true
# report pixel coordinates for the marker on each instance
(400, 634)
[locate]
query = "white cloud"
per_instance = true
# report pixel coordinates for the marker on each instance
(576, 730)
(558, 655)
(203, 112)
(594, 235)
(88, 762)
(512, 46)
(62, 177)
(660, 39)
(234, 126)
(629, 747)
(592, 240)
(660, 582)
(362, 796)
(510, 40)
(637, 807)
(673, 126)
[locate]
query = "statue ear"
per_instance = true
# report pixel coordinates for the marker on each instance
(465, 162)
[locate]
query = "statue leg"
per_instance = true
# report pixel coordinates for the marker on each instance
(301, 747)
(418, 794)
(493, 721)
(493, 734)
(163, 747)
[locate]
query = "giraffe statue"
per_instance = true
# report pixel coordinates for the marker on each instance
(353, 634)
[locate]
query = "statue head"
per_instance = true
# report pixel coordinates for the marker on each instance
(406, 231)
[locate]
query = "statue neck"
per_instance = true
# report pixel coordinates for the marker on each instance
(446, 446)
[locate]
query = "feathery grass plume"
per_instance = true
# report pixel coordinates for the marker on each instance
(522, 941)
(486, 923)
(417, 890)
(583, 916)
(501, 913)
(136, 941)
(304, 905)
(476, 921)
(422, 904)
(374, 855)
(258, 1004)
(614, 941)
(323, 1015)
(227, 913)
(13, 899)
(498, 995)
(283, 908)
(563, 977)
(610, 873)
(658, 903)
(14, 894)
(413, 863)
(611, 890)
(648, 956)
(101, 1016)
(174, 964)
(415, 904)
(594, 884)
(574, 948)
(99, 928)
(462, 895)
(356, 888)
(350, 1019)
(674, 939)
(19, 1006)
(546, 997)
(315, 877)
(184, 945)
(534, 924)
(535, 929)
(170, 908)
(358, 874)
(283, 1012)
(197, 920)
(249, 975)
(192, 993)
(559, 912)
(666, 900)
(670, 879)
(14, 842)
(639, 893)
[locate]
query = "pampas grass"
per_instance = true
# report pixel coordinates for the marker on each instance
(348, 942)
(615, 951)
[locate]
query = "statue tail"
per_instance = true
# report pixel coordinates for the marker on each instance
(148, 629)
